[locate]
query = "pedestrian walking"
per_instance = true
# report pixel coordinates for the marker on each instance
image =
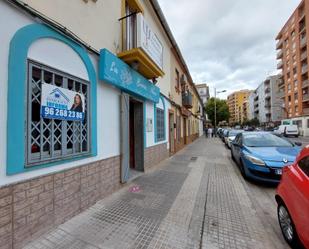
(210, 132)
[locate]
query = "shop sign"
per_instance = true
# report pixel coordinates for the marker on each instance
(116, 72)
(149, 42)
(62, 104)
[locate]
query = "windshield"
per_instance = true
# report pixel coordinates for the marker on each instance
(233, 133)
(265, 140)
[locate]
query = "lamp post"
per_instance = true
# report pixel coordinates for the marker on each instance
(216, 92)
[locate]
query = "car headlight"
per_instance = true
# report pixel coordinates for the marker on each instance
(255, 160)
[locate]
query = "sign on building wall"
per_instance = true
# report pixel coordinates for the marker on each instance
(63, 104)
(114, 71)
(149, 42)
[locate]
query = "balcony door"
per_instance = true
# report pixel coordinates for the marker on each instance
(131, 28)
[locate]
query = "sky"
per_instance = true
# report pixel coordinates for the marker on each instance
(228, 44)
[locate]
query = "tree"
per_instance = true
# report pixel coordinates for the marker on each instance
(223, 113)
(253, 122)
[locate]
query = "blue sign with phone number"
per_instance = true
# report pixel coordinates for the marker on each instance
(55, 113)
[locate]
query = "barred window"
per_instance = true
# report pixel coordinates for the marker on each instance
(51, 139)
(160, 125)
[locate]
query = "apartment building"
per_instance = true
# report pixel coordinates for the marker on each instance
(85, 102)
(235, 103)
(292, 55)
(267, 102)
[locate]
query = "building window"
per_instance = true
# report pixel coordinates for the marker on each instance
(177, 81)
(160, 125)
(51, 139)
(131, 28)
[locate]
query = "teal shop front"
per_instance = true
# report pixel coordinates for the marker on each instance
(136, 90)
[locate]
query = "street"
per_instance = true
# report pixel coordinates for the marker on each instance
(195, 199)
(303, 140)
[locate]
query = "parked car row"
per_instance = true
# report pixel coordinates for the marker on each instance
(272, 157)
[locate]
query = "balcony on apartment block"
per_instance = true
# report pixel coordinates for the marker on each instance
(304, 69)
(303, 41)
(279, 44)
(305, 83)
(306, 111)
(303, 56)
(267, 105)
(281, 94)
(280, 64)
(187, 99)
(281, 83)
(143, 52)
(280, 54)
(305, 97)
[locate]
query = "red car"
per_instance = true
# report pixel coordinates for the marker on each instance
(293, 201)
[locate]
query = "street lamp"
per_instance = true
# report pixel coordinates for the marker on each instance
(216, 92)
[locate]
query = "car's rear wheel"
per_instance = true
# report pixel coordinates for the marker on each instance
(287, 226)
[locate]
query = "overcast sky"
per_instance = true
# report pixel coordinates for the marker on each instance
(229, 44)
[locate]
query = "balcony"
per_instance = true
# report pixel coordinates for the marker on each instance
(304, 69)
(279, 54)
(305, 84)
(306, 97)
(303, 56)
(143, 53)
(187, 99)
(305, 111)
(280, 65)
(279, 44)
(280, 82)
(303, 41)
(281, 94)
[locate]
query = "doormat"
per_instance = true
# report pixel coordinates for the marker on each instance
(134, 189)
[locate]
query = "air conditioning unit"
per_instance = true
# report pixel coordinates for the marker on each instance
(183, 79)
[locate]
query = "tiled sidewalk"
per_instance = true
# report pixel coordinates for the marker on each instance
(192, 200)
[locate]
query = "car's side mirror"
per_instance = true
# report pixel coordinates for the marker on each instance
(298, 144)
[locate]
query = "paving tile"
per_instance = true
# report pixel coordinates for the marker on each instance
(185, 204)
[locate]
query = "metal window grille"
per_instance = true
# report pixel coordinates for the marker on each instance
(49, 139)
(160, 124)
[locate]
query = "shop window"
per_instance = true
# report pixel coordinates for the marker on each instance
(304, 165)
(53, 139)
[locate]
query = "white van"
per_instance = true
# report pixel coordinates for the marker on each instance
(287, 130)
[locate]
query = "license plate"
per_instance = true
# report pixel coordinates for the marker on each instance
(278, 171)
